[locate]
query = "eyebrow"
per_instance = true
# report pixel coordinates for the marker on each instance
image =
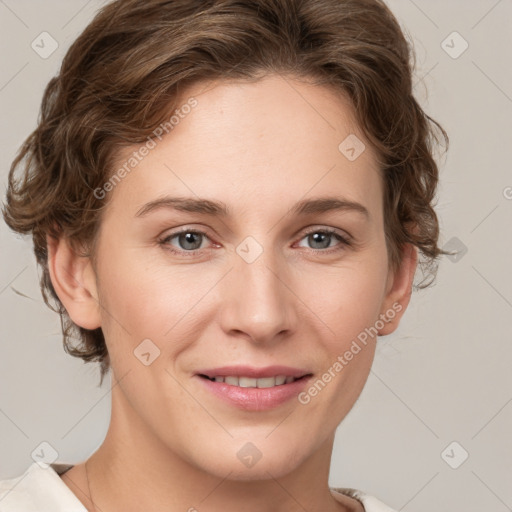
(220, 209)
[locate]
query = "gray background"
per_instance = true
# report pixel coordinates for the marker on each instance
(444, 376)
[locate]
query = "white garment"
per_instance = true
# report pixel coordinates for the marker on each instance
(42, 490)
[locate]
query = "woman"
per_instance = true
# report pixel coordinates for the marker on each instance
(227, 200)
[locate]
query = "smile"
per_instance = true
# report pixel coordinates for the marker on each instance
(250, 382)
(254, 389)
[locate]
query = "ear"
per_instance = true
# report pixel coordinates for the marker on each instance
(74, 281)
(398, 290)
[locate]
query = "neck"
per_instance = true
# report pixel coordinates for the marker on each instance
(133, 470)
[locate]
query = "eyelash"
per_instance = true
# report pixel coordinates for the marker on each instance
(344, 241)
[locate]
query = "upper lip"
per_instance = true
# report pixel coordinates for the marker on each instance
(255, 373)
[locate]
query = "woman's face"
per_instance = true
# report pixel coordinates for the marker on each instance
(269, 281)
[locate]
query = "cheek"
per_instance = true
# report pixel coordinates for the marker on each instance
(349, 309)
(143, 301)
(348, 301)
(357, 299)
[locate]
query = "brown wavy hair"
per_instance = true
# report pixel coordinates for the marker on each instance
(123, 75)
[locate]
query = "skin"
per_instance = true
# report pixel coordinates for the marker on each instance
(260, 148)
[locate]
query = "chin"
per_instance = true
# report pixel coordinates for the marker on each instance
(246, 460)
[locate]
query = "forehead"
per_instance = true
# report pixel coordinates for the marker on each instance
(256, 145)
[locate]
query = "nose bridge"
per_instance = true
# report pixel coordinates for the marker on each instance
(258, 302)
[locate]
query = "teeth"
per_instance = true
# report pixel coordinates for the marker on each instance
(246, 382)
(268, 382)
(250, 382)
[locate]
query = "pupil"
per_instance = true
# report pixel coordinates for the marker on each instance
(317, 236)
(189, 239)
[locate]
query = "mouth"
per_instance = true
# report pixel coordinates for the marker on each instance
(251, 382)
(254, 389)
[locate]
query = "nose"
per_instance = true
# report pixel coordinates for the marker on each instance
(257, 302)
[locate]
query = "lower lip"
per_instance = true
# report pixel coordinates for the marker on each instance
(255, 399)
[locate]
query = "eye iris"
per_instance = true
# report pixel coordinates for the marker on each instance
(320, 237)
(188, 238)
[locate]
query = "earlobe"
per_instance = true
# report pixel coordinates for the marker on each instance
(74, 281)
(399, 290)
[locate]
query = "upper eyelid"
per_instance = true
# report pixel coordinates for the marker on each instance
(307, 229)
